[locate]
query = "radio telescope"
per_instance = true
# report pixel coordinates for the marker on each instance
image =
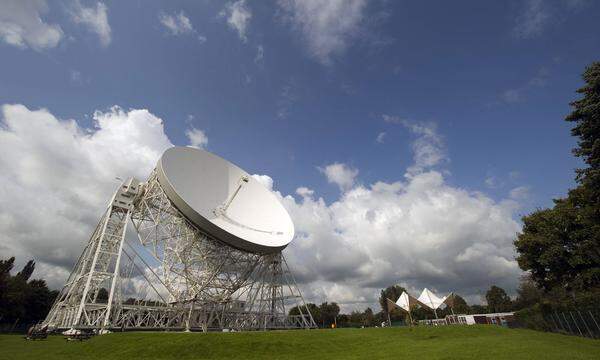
(205, 253)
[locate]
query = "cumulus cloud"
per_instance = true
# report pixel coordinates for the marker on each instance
(380, 137)
(265, 180)
(94, 18)
(21, 25)
(197, 138)
(327, 26)
(176, 24)
(340, 174)
(238, 16)
(418, 231)
(61, 176)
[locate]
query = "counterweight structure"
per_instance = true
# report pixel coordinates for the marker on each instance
(166, 273)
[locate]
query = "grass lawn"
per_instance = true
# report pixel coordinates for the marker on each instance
(449, 342)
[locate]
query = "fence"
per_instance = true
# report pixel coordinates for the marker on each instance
(578, 322)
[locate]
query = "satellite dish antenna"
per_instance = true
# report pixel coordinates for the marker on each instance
(224, 200)
(209, 255)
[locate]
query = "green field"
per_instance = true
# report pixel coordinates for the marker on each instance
(450, 342)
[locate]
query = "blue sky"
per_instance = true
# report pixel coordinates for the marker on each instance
(287, 88)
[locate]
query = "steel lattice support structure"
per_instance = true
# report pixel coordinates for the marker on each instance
(196, 281)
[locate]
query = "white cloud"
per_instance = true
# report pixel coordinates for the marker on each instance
(512, 96)
(340, 174)
(536, 16)
(327, 26)
(492, 182)
(380, 137)
(265, 180)
(539, 80)
(21, 25)
(95, 19)
(260, 54)
(76, 77)
(177, 24)
(519, 193)
(428, 148)
(287, 98)
(419, 231)
(61, 176)
(197, 138)
(532, 21)
(238, 17)
(304, 191)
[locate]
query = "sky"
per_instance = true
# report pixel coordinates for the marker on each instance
(406, 139)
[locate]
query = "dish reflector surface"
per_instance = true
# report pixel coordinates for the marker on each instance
(223, 200)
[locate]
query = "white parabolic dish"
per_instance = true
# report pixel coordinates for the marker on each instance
(224, 201)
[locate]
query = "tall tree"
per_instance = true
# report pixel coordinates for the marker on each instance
(27, 270)
(586, 116)
(560, 246)
(497, 299)
(5, 268)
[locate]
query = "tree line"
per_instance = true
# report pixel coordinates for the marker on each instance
(23, 302)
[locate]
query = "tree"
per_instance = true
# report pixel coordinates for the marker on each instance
(5, 268)
(23, 300)
(497, 299)
(478, 309)
(356, 318)
(528, 294)
(329, 311)
(314, 311)
(368, 317)
(27, 271)
(458, 305)
(559, 246)
(586, 116)
(393, 293)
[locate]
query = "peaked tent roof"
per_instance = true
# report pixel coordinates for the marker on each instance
(406, 302)
(430, 299)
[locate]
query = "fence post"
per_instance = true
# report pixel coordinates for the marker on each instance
(575, 321)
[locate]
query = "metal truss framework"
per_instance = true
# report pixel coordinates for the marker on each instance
(176, 276)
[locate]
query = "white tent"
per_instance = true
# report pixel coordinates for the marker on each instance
(406, 302)
(431, 300)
